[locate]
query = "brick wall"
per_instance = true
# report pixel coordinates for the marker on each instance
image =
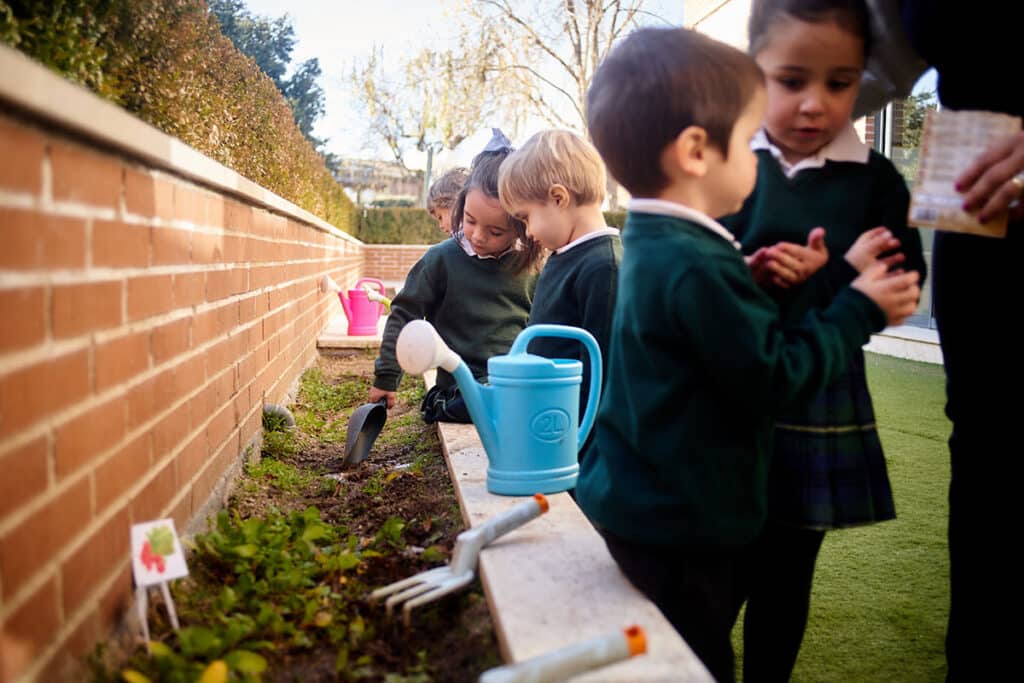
(146, 316)
(391, 262)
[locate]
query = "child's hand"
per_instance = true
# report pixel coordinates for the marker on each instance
(865, 251)
(377, 394)
(895, 293)
(786, 264)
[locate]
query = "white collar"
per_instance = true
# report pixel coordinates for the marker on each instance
(600, 232)
(468, 248)
(663, 207)
(846, 146)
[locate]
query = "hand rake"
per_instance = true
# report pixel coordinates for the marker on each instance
(434, 584)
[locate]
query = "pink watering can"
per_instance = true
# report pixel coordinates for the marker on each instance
(363, 307)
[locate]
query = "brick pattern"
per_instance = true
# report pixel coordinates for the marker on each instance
(390, 262)
(145, 321)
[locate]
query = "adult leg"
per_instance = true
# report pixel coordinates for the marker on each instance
(700, 593)
(978, 289)
(780, 598)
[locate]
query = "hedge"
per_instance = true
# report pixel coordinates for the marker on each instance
(415, 226)
(397, 226)
(167, 62)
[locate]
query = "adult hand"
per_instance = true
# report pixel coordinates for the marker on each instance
(995, 181)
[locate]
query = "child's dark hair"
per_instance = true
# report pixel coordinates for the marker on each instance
(654, 85)
(446, 188)
(483, 176)
(850, 15)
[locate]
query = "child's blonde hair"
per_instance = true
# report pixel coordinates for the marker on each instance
(552, 157)
(445, 190)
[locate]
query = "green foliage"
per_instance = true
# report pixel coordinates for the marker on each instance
(397, 226)
(270, 42)
(915, 108)
(281, 474)
(284, 583)
(167, 62)
(278, 438)
(615, 219)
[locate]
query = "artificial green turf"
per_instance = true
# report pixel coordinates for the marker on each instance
(881, 593)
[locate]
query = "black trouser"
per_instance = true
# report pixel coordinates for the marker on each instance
(699, 592)
(781, 573)
(977, 288)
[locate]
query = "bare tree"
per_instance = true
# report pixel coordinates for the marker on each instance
(435, 100)
(551, 49)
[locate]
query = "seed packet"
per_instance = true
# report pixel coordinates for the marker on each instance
(950, 142)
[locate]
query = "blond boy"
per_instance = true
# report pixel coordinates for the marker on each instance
(555, 185)
(442, 195)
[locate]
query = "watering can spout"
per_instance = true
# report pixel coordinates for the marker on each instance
(420, 348)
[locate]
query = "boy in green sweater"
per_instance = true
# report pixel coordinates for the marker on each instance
(555, 185)
(700, 360)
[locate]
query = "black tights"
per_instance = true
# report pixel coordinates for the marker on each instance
(782, 571)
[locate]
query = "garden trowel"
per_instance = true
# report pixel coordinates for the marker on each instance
(364, 426)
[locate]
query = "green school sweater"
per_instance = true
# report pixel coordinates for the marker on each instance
(845, 198)
(475, 304)
(577, 288)
(700, 361)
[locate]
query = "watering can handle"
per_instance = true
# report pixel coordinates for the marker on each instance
(373, 280)
(588, 341)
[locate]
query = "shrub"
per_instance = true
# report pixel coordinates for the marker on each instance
(167, 62)
(398, 226)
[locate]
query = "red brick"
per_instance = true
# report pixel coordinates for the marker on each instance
(170, 431)
(34, 240)
(204, 327)
(84, 438)
(29, 631)
(223, 283)
(170, 340)
(22, 150)
(143, 403)
(30, 545)
(149, 295)
(191, 459)
(30, 394)
(171, 246)
(85, 307)
(24, 476)
(207, 248)
(189, 205)
(189, 289)
(84, 176)
(234, 249)
(25, 313)
(99, 556)
(139, 193)
(120, 359)
(215, 209)
(202, 405)
(152, 501)
(247, 310)
(221, 426)
(120, 245)
(237, 216)
(123, 470)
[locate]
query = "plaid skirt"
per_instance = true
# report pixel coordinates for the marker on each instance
(828, 470)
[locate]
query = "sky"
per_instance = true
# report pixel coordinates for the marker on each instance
(340, 32)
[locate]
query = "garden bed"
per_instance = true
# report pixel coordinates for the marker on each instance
(278, 586)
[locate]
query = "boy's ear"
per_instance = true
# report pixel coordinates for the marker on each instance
(559, 195)
(689, 151)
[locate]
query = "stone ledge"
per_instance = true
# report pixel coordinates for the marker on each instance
(909, 342)
(553, 583)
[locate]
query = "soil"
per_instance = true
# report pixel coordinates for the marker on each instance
(406, 477)
(456, 634)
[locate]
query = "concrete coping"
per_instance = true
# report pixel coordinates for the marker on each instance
(32, 88)
(553, 583)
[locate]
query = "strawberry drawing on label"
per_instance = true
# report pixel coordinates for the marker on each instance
(159, 544)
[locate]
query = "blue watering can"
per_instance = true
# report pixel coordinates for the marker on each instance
(527, 416)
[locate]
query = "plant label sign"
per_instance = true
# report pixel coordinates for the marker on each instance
(157, 556)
